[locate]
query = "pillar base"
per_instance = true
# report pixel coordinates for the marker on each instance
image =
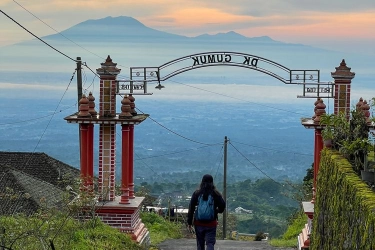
(304, 239)
(304, 236)
(124, 217)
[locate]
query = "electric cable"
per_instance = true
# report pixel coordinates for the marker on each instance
(236, 98)
(221, 159)
(44, 131)
(260, 170)
(276, 150)
(38, 37)
(56, 30)
(176, 152)
(179, 135)
(61, 33)
(38, 118)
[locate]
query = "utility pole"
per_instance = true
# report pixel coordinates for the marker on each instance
(79, 90)
(225, 188)
(79, 80)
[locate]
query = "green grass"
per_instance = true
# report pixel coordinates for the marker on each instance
(37, 232)
(160, 229)
(289, 238)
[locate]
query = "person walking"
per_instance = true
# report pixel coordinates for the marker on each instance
(205, 204)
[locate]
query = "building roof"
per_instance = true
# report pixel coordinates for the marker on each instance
(29, 181)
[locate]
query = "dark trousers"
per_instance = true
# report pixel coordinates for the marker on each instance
(205, 235)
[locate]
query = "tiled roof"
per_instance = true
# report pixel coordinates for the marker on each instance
(30, 180)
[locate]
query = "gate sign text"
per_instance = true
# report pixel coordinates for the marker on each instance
(222, 58)
(322, 90)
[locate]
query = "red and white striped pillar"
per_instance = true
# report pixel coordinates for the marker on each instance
(107, 132)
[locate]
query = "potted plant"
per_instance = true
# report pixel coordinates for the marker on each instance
(328, 133)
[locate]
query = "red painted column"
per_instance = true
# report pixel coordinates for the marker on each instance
(125, 165)
(84, 149)
(318, 146)
(90, 156)
(131, 162)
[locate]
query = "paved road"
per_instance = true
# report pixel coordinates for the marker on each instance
(190, 244)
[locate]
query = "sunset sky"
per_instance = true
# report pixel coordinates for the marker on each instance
(334, 24)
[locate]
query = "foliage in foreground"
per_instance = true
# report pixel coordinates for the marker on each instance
(289, 238)
(40, 230)
(160, 229)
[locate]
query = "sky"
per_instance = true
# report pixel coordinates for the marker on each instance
(341, 25)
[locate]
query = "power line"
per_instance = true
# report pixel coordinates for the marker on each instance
(260, 170)
(273, 149)
(56, 30)
(221, 159)
(235, 98)
(62, 34)
(184, 137)
(37, 37)
(38, 118)
(49, 122)
(177, 152)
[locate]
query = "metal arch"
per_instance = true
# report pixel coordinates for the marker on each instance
(166, 77)
(140, 76)
(237, 64)
(220, 52)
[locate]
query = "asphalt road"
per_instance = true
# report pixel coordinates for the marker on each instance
(190, 244)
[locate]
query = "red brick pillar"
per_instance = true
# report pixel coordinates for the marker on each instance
(343, 79)
(131, 161)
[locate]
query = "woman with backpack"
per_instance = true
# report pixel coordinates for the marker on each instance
(205, 204)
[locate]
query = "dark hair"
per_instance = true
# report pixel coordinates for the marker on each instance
(207, 186)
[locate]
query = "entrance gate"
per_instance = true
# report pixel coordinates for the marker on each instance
(141, 76)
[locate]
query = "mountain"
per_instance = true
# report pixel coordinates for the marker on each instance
(131, 43)
(123, 27)
(116, 29)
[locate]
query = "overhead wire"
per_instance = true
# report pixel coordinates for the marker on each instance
(56, 30)
(221, 159)
(38, 37)
(49, 122)
(38, 118)
(276, 150)
(260, 170)
(173, 132)
(236, 98)
(177, 152)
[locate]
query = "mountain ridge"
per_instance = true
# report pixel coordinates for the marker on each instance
(131, 28)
